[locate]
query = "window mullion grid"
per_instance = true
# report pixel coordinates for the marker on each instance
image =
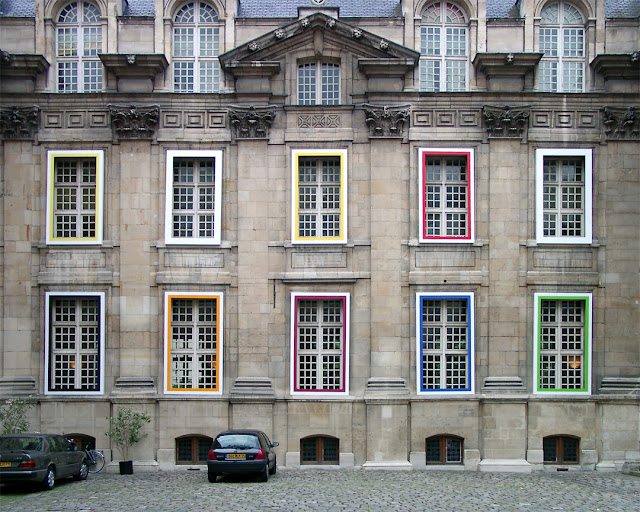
(456, 342)
(68, 193)
(571, 345)
(183, 350)
(308, 341)
(434, 357)
(331, 332)
(206, 346)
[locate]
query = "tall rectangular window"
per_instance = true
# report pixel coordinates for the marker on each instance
(563, 196)
(193, 342)
(446, 195)
(318, 84)
(320, 343)
(74, 343)
(445, 342)
(193, 197)
(75, 197)
(319, 190)
(562, 343)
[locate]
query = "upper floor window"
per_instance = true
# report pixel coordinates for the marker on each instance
(74, 197)
(193, 197)
(193, 342)
(196, 46)
(446, 188)
(319, 192)
(75, 342)
(79, 44)
(444, 48)
(562, 343)
(445, 342)
(319, 84)
(563, 196)
(320, 343)
(562, 40)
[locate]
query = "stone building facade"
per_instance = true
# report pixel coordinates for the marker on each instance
(391, 234)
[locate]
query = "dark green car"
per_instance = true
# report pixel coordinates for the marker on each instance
(40, 459)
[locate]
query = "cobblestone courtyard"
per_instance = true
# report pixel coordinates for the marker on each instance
(318, 490)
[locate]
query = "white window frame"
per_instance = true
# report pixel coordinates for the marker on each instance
(469, 297)
(296, 154)
(469, 154)
(197, 58)
(219, 297)
(444, 28)
(48, 352)
(293, 367)
(587, 351)
(587, 155)
(79, 27)
(51, 238)
(169, 237)
(317, 95)
(562, 59)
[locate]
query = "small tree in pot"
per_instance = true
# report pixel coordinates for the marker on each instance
(126, 430)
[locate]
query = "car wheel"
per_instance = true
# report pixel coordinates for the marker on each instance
(273, 470)
(264, 475)
(213, 477)
(49, 479)
(82, 472)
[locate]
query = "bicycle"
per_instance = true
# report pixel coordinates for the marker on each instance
(95, 460)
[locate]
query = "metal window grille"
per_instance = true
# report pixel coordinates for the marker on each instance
(194, 343)
(75, 344)
(320, 341)
(444, 450)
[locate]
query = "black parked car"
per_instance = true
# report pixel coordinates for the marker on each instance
(40, 458)
(241, 452)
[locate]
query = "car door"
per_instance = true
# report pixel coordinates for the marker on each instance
(271, 455)
(60, 445)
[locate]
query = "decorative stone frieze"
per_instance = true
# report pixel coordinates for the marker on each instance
(19, 123)
(251, 122)
(621, 124)
(505, 122)
(319, 121)
(134, 122)
(385, 121)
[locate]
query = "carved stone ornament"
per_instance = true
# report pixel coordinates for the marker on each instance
(385, 121)
(251, 122)
(505, 121)
(134, 122)
(621, 124)
(19, 123)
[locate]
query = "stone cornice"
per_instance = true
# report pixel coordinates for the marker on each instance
(502, 65)
(140, 65)
(253, 68)
(21, 70)
(625, 66)
(386, 68)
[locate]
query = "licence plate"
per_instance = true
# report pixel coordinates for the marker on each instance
(235, 456)
(5, 464)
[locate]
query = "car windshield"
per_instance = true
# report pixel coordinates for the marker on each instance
(26, 443)
(237, 441)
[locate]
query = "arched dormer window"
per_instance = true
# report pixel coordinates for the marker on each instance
(562, 39)
(444, 47)
(78, 46)
(196, 46)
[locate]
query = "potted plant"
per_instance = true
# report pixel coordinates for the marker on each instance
(126, 430)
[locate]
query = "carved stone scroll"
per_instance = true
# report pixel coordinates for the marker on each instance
(505, 121)
(134, 122)
(621, 124)
(386, 121)
(19, 123)
(251, 122)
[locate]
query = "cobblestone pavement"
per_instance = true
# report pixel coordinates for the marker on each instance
(327, 490)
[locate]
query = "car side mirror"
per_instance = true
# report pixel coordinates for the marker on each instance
(275, 444)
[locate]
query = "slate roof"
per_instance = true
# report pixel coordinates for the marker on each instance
(348, 8)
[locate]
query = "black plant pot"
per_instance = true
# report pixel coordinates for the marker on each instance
(126, 467)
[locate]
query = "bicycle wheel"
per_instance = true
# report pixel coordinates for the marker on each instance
(99, 458)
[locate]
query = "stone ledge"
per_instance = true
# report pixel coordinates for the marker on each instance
(395, 465)
(18, 386)
(505, 466)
